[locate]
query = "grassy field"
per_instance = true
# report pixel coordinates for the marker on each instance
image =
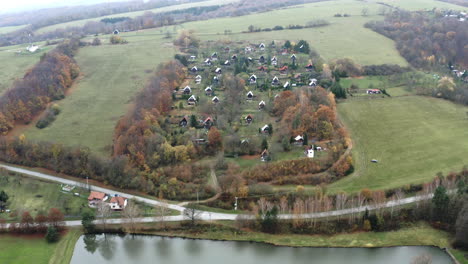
(421, 4)
(412, 137)
(460, 255)
(112, 75)
(14, 65)
(27, 194)
(34, 249)
(344, 37)
(4, 30)
(79, 23)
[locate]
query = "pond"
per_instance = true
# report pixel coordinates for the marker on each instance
(91, 249)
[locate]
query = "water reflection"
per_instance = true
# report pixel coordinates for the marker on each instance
(100, 249)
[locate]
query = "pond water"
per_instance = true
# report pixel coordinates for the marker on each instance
(91, 249)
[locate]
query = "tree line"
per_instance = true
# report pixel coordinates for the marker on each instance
(46, 81)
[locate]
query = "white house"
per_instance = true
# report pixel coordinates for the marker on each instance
(118, 203)
(208, 90)
(218, 71)
(192, 100)
(208, 62)
(265, 129)
(32, 48)
(227, 63)
(253, 79)
(250, 95)
(286, 85)
(193, 57)
(275, 81)
(261, 46)
(313, 82)
(274, 61)
(215, 100)
(194, 69)
(198, 79)
(261, 105)
(187, 90)
(95, 198)
(309, 152)
(298, 139)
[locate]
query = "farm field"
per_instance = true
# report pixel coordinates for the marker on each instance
(34, 249)
(412, 137)
(4, 30)
(112, 75)
(17, 64)
(79, 23)
(421, 4)
(345, 37)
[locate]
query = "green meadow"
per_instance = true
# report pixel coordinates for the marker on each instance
(82, 22)
(421, 4)
(111, 76)
(412, 137)
(14, 65)
(4, 30)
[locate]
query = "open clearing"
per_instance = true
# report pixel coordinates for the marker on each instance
(34, 249)
(112, 75)
(9, 29)
(15, 65)
(79, 23)
(412, 137)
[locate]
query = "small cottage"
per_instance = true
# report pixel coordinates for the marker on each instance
(275, 81)
(265, 129)
(208, 62)
(261, 59)
(374, 91)
(214, 56)
(234, 57)
(118, 203)
(218, 71)
(183, 122)
(208, 91)
(261, 105)
(249, 119)
(116, 32)
(253, 79)
(192, 100)
(215, 100)
(274, 61)
(250, 95)
(309, 152)
(194, 69)
(313, 82)
(298, 139)
(227, 63)
(198, 79)
(262, 46)
(293, 58)
(215, 80)
(187, 90)
(193, 57)
(286, 85)
(262, 68)
(284, 69)
(208, 123)
(309, 67)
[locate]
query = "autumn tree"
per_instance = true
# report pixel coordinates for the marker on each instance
(131, 212)
(27, 222)
(215, 141)
(56, 218)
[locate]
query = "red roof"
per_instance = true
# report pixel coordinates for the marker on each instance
(262, 68)
(208, 119)
(283, 68)
(96, 196)
(119, 200)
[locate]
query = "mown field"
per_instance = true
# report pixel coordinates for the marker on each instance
(412, 137)
(345, 37)
(421, 4)
(9, 29)
(111, 76)
(15, 65)
(79, 23)
(34, 249)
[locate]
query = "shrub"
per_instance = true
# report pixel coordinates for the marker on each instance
(52, 235)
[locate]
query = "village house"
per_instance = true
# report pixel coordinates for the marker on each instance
(261, 105)
(265, 129)
(309, 67)
(194, 69)
(193, 58)
(208, 62)
(284, 52)
(262, 68)
(264, 156)
(116, 32)
(250, 59)
(253, 79)
(275, 81)
(250, 95)
(198, 79)
(261, 59)
(95, 198)
(309, 152)
(215, 100)
(192, 100)
(214, 56)
(183, 122)
(284, 69)
(215, 80)
(261, 46)
(286, 85)
(187, 90)
(227, 63)
(298, 140)
(218, 71)
(118, 203)
(249, 119)
(274, 61)
(208, 123)
(293, 58)
(227, 49)
(208, 91)
(313, 82)
(32, 48)
(234, 57)
(248, 49)
(373, 91)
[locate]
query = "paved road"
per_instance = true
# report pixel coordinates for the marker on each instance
(203, 215)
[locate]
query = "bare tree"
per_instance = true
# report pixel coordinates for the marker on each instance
(340, 202)
(103, 213)
(131, 213)
(284, 208)
(192, 214)
(161, 214)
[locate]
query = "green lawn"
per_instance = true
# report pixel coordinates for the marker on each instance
(460, 255)
(35, 196)
(34, 249)
(14, 65)
(112, 75)
(412, 137)
(344, 37)
(82, 22)
(4, 30)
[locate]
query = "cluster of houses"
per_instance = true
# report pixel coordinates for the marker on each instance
(462, 16)
(115, 202)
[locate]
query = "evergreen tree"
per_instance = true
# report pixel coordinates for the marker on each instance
(52, 234)
(3, 200)
(339, 91)
(270, 129)
(305, 141)
(264, 144)
(440, 203)
(193, 121)
(87, 218)
(287, 44)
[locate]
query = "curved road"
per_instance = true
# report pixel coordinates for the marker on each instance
(204, 215)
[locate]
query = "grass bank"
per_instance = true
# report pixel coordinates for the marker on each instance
(34, 249)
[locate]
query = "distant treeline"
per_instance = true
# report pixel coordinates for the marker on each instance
(46, 81)
(114, 20)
